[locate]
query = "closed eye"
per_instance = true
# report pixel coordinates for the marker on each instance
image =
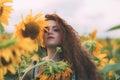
(57, 30)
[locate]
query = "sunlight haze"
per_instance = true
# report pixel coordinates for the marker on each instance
(83, 15)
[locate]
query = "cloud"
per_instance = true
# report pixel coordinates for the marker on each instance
(100, 14)
(83, 15)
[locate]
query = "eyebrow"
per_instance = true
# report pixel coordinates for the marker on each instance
(54, 26)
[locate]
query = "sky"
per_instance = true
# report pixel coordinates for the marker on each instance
(83, 15)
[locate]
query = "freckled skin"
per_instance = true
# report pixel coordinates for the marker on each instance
(53, 36)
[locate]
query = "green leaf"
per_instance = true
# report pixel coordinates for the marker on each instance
(117, 53)
(1, 28)
(117, 76)
(110, 67)
(114, 28)
(117, 41)
(6, 43)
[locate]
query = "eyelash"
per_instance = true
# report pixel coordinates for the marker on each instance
(56, 30)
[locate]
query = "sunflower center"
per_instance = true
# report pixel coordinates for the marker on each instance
(31, 30)
(1, 10)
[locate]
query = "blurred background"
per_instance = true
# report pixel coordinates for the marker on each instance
(96, 21)
(83, 15)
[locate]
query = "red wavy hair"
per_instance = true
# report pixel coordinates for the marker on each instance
(83, 67)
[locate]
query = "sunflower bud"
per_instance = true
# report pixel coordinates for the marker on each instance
(58, 50)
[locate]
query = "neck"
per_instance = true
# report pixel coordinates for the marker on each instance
(51, 54)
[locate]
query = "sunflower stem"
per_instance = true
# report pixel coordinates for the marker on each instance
(58, 50)
(39, 64)
(19, 71)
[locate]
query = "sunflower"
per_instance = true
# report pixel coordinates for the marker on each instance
(5, 11)
(112, 61)
(55, 71)
(93, 34)
(103, 60)
(6, 57)
(64, 75)
(97, 49)
(32, 27)
(11, 51)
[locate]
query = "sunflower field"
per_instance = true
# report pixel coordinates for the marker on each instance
(22, 48)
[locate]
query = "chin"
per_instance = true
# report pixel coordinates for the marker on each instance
(52, 45)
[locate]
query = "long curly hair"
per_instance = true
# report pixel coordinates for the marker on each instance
(83, 67)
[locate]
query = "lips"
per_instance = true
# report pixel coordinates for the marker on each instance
(50, 37)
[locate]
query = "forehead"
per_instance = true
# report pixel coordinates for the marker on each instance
(52, 23)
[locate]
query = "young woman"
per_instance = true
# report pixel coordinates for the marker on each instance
(61, 34)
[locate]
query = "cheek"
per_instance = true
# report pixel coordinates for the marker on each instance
(53, 42)
(59, 39)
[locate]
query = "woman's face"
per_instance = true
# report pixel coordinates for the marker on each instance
(53, 36)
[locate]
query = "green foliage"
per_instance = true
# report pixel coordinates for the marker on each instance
(58, 50)
(111, 67)
(114, 28)
(117, 53)
(39, 52)
(10, 76)
(115, 68)
(8, 42)
(113, 52)
(117, 41)
(1, 28)
(90, 45)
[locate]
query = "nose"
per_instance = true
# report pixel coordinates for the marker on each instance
(50, 31)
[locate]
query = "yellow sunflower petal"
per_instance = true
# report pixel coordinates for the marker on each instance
(5, 70)
(57, 76)
(35, 57)
(5, 11)
(93, 34)
(44, 77)
(1, 74)
(24, 30)
(35, 18)
(111, 73)
(28, 18)
(113, 61)
(7, 55)
(100, 56)
(11, 69)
